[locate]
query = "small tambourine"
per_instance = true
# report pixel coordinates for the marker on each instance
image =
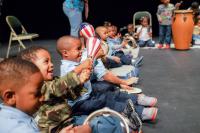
(107, 112)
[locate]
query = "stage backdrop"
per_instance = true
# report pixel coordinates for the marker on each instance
(46, 17)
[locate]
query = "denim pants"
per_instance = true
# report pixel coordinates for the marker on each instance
(125, 59)
(75, 19)
(165, 34)
(116, 99)
(112, 64)
(195, 37)
(147, 43)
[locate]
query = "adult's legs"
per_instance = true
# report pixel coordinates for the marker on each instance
(75, 19)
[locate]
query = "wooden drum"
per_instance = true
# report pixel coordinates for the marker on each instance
(182, 28)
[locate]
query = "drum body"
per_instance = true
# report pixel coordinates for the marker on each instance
(182, 28)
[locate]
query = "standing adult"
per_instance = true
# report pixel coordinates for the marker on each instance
(73, 10)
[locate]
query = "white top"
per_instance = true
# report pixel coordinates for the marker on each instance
(144, 36)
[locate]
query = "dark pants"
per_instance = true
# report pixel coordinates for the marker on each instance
(112, 64)
(113, 99)
(125, 59)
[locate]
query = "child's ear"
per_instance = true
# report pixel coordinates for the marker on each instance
(65, 53)
(9, 97)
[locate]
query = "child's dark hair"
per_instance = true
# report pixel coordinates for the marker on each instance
(144, 17)
(30, 53)
(15, 71)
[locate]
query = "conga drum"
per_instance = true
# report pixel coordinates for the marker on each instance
(182, 28)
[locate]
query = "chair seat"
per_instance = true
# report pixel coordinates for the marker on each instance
(25, 36)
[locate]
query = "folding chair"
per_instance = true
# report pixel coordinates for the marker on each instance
(18, 33)
(137, 16)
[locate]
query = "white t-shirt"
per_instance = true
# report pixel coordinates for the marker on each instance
(144, 36)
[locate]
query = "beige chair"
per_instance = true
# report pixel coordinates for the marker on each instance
(18, 33)
(137, 16)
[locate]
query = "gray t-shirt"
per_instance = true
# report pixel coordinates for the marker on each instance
(165, 13)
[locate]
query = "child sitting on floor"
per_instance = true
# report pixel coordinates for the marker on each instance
(144, 33)
(110, 61)
(56, 90)
(68, 47)
(196, 33)
(55, 112)
(20, 90)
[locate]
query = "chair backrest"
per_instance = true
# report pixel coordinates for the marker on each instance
(137, 16)
(14, 24)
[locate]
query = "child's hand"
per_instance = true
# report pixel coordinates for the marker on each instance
(84, 75)
(68, 129)
(177, 5)
(116, 59)
(160, 20)
(119, 35)
(100, 54)
(125, 87)
(78, 129)
(124, 43)
(150, 34)
(87, 64)
(83, 129)
(131, 81)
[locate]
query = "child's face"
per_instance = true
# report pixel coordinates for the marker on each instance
(75, 52)
(130, 28)
(145, 22)
(43, 62)
(103, 34)
(29, 97)
(111, 31)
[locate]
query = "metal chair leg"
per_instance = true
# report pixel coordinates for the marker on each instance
(21, 44)
(9, 45)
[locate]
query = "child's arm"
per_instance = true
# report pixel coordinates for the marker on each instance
(59, 86)
(87, 64)
(86, 9)
(67, 84)
(158, 14)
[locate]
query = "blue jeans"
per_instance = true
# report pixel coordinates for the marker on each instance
(148, 43)
(165, 34)
(112, 64)
(195, 37)
(75, 19)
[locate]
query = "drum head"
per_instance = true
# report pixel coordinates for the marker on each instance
(183, 11)
(108, 112)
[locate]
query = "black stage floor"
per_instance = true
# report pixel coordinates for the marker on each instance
(170, 75)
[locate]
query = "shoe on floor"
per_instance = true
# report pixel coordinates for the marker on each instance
(149, 113)
(167, 46)
(131, 116)
(146, 100)
(135, 72)
(159, 46)
(137, 62)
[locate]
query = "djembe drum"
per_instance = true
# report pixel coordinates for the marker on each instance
(182, 28)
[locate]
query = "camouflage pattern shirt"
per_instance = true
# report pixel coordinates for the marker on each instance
(55, 108)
